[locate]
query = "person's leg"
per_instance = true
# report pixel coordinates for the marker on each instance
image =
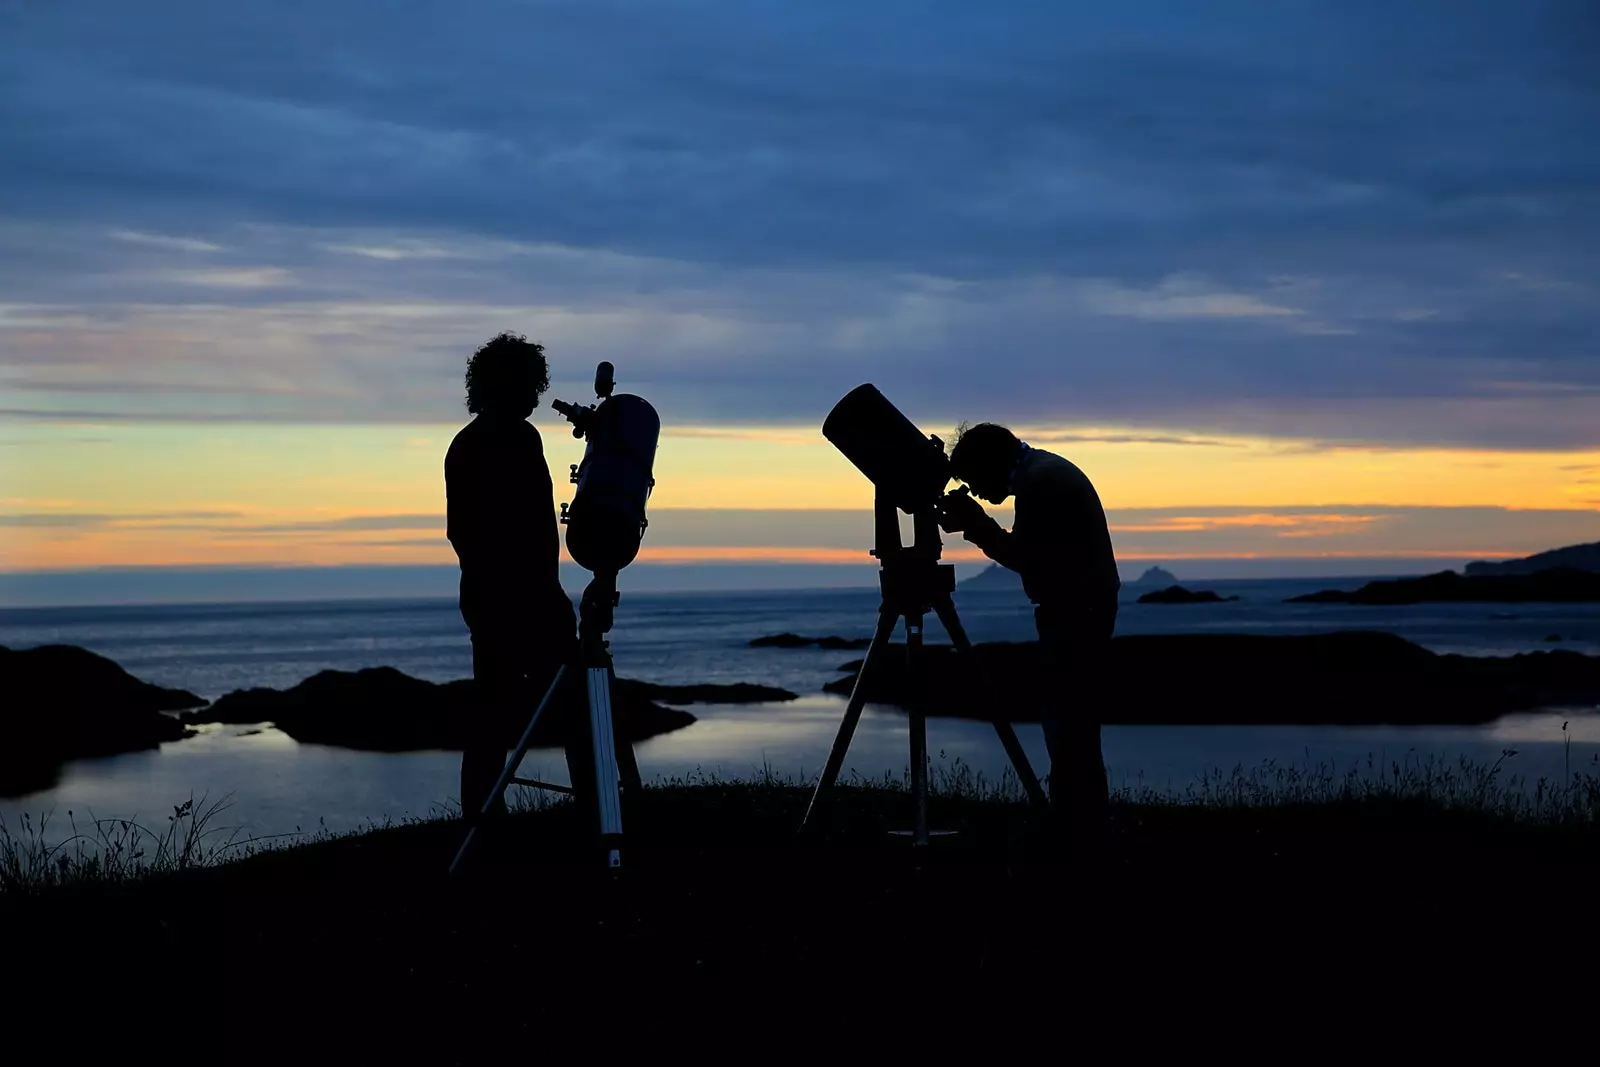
(1073, 650)
(483, 756)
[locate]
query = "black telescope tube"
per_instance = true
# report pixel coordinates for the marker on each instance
(908, 469)
(606, 519)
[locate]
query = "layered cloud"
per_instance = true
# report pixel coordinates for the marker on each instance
(69, 537)
(1337, 222)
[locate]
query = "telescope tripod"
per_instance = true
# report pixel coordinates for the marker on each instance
(615, 767)
(913, 583)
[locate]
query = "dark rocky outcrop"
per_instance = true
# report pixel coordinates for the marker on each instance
(1584, 557)
(1561, 586)
(1348, 678)
(384, 710)
(64, 703)
(1177, 594)
(831, 643)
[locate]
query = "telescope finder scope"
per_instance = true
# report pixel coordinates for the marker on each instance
(909, 469)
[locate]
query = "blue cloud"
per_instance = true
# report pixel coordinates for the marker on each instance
(1349, 218)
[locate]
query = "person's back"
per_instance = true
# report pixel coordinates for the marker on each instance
(1064, 551)
(1060, 543)
(500, 515)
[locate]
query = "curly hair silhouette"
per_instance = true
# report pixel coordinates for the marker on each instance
(508, 373)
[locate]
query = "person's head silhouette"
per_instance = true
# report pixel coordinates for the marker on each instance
(985, 457)
(506, 377)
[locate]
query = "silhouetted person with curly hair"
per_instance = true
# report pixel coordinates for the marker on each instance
(502, 524)
(1061, 546)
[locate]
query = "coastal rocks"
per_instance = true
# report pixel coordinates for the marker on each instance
(831, 644)
(1177, 594)
(381, 709)
(1350, 678)
(384, 710)
(1560, 586)
(64, 703)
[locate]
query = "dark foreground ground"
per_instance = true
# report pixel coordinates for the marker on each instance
(726, 938)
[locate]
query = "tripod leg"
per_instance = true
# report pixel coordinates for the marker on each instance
(627, 761)
(512, 764)
(1008, 737)
(852, 714)
(919, 727)
(605, 763)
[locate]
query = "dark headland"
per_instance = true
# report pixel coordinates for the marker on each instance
(63, 703)
(1565, 585)
(1350, 678)
(1585, 557)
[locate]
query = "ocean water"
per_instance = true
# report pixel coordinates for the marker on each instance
(279, 786)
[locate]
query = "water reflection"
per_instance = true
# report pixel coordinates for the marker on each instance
(280, 786)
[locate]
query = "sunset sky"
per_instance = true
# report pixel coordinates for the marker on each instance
(1287, 280)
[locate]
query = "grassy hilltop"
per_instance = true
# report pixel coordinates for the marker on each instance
(723, 918)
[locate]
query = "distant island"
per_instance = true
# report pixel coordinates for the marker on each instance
(1157, 576)
(995, 576)
(1177, 594)
(1584, 557)
(1560, 586)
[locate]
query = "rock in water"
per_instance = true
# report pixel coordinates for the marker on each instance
(1348, 678)
(1177, 594)
(830, 643)
(382, 709)
(64, 703)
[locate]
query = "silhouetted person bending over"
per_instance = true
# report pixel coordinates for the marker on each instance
(502, 524)
(1060, 544)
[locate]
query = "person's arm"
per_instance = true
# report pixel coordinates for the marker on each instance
(462, 522)
(995, 541)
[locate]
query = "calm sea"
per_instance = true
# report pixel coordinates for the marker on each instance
(279, 785)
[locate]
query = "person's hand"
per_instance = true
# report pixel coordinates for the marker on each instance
(958, 511)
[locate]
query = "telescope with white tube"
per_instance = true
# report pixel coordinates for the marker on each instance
(605, 524)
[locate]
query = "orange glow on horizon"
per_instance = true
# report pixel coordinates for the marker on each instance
(259, 495)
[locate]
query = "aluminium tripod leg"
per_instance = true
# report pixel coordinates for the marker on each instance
(1008, 737)
(852, 713)
(512, 764)
(605, 763)
(919, 727)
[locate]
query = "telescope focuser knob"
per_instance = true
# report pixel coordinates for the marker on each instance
(564, 513)
(573, 477)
